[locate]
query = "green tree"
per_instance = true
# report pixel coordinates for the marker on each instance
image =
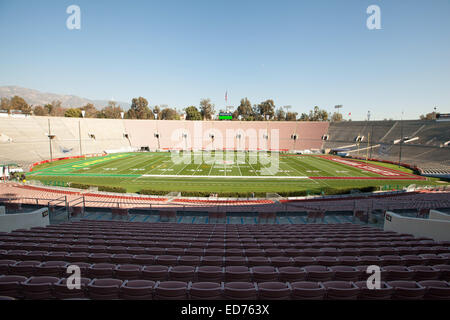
(304, 117)
(55, 109)
(18, 103)
(267, 109)
(318, 114)
(40, 111)
(207, 109)
(169, 114)
(192, 113)
(5, 104)
(336, 117)
(139, 109)
(244, 110)
(73, 113)
(90, 111)
(280, 114)
(291, 116)
(112, 111)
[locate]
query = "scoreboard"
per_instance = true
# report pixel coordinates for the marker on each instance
(225, 116)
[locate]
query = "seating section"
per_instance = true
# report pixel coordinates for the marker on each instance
(128, 260)
(429, 151)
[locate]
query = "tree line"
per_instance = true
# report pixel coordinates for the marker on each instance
(140, 109)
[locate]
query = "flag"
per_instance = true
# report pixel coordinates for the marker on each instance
(226, 96)
(349, 113)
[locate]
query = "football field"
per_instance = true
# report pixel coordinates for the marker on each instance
(224, 172)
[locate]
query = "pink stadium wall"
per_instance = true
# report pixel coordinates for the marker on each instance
(176, 135)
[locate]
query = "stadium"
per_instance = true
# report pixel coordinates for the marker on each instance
(219, 212)
(107, 200)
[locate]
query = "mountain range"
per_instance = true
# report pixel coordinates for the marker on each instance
(35, 98)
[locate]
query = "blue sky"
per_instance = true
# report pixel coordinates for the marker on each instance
(299, 53)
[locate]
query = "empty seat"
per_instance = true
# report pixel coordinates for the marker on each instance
(51, 268)
(413, 260)
(391, 273)
(56, 256)
(128, 272)
(383, 293)
(171, 290)
(425, 273)
(240, 291)
(166, 260)
(348, 261)
(407, 290)
(182, 273)
(346, 273)
(264, 274)
(189, 261)
(432, 259)
(104, 289)
(326, 261)
(122, 258)
(341, 290)
(97, 249)
(77, 257)
(235, 261)
(205, 291)
(155, 251)
(11, 286)
(116, 249)
(436, 290)
(99, 258)
(444, 270)
(370, 260)
(212, 261)
(237, 274)
(17, 255)
(39, 288)
(61, 291)
(135, 250)
(304, 261)
(137, 290)
(307, 290)
(234, 252)
(291, 274)
(273, 291)
(254, 253)
(36, 255)
(281, 261)
(391, 260)
(143, 259)
(155, 273)
(24, 268)
(4, 266)
(101, 270)
(258, 261)
(318, 273)
(209, 274)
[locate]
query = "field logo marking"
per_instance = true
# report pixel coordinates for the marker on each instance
(220, 147)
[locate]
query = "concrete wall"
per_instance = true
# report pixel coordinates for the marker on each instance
(439, 230)
(38, 218)
(437, 215)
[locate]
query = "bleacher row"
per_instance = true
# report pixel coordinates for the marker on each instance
(164, 261)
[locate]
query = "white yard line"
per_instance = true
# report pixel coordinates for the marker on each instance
(226, 177)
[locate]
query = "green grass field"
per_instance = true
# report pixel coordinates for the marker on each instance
(219, 173)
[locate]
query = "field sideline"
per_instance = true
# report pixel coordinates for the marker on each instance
(223, 172)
